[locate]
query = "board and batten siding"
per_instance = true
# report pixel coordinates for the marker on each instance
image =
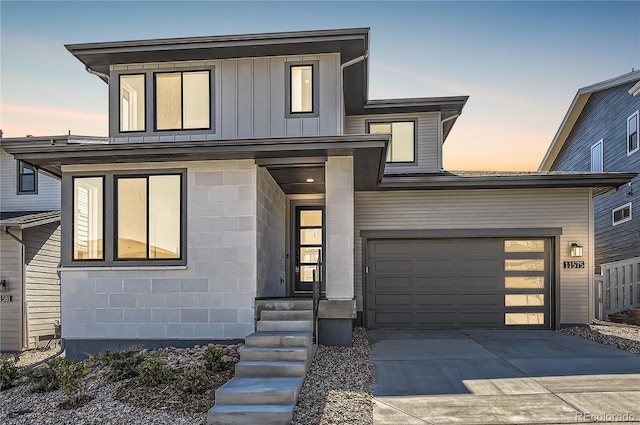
(47, 198)
(484, 209)
(42, 257)
(248, 100)
(429, 148)
(11, 312)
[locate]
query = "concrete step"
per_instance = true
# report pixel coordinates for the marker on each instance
(279, 339)
(239, 414)
(274, 353)
(286, 315)
(285, 325)
(283, 304)
(262, 390)
(270, 368)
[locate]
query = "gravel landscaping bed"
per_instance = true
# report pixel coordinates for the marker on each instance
(623, 337)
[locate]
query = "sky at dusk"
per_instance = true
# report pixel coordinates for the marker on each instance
(520, 62)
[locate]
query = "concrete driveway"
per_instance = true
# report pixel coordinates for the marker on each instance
(501, 377)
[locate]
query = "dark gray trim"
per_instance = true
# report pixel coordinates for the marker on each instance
(381, 120)
(315, 95)
(20, 165)
(505, 232)
(78, 349)
(335, 332)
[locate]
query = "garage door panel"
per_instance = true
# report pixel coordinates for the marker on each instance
(392, 299)
(390, 248)
(480, 300)
(392, 266)
(481, 320)
(434, 300)
(434, 320)
(392, 283)
(396, 318)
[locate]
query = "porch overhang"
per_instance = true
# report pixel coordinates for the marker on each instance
(295, 155)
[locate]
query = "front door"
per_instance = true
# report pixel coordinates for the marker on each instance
(309, 242)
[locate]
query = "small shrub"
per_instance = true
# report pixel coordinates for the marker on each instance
(194, 381)
(71, 375)
(123, 364)
(153, 371)
(213, 358)
(42, 380)
(8, 371)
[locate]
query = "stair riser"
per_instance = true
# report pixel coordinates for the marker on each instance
(284, 325)
(286, 315)
(271, 355)
(249, 418)
(270, 370)
(260, 397)
(278, 341)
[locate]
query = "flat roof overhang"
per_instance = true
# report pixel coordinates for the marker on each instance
(287, 159)
(602, 183)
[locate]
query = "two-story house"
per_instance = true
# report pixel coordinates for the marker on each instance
(599, 133)
(235, 162)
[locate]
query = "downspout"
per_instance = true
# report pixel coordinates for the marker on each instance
(342, 68)
(452, 117)
(24, 329)
(99, 74)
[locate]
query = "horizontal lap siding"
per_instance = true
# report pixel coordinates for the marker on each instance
(428, 150)
(10, 313)
(484, 209)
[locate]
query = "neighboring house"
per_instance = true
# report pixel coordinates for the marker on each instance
(234, 160)
(600, 134)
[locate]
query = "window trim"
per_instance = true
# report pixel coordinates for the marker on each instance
(19, 174)
(110, 217)
(624, 220)
(601, 144)
(144, 95)
(104, 214)
(635, 115)
(315, 89)
(155, 100)
(415, 139)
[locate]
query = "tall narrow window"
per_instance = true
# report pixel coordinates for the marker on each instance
(148, 217)
(88, 216)
(27, 178)
(182, 100)
(132, 114)
(301, 80)
(402, 145)
(632, 133)
(597, 157)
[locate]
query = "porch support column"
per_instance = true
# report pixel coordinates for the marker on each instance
(336, 313)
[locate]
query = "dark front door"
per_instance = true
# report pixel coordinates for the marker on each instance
(309, 241)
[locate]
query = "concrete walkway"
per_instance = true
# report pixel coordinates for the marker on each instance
(501, 377)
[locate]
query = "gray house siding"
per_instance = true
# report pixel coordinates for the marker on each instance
(248, 100)
(605, 117)
(42, 257)
(428, 146)
(11, 269)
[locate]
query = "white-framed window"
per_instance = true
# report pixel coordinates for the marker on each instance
(621, 214)
(597, 157)
(632, 133)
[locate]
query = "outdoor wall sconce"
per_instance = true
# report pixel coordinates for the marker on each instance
(3, 285)
(575, 250)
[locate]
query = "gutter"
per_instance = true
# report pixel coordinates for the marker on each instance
(99, 74)
(342, 68)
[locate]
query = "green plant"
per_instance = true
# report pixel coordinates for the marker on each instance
(8, 371)
(123, 364)
(71, 375)
(194, 380)
(42, 379)
(153, 371)
(213, 358)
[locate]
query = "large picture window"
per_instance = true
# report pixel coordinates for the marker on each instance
(88, 216)
(27, 179)
(132, 105)
(402, 145)
(632, 133)
(182, 100)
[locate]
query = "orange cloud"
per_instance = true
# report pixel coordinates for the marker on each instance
(52, 112)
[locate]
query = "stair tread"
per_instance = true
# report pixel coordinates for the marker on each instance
(253, 408)
(249, 384)
(271, 362)
(281, 333)
(266, 347)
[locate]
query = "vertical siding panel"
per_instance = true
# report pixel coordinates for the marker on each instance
(276, 75)
(245, 99)
(261, 91)
(329, 104)
(294, 127)
(11, 313)
(228, 95)
(310, 126)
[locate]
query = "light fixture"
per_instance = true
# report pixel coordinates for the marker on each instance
(575, 250)
(3, 285)
(310, 180)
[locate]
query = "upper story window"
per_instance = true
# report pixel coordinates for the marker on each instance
(632, 133)
(597, 157)
(302, 89)
(27, 179)
(132, 105)
(182, 100)
(621, 214)
(402, 145)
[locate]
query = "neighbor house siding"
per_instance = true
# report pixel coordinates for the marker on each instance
(42, 257)
(47, 198)
(484, 209)
(11, 269)
(248, 100)
(211, 298)
(270, 221)
(428, 152)
(605, 117)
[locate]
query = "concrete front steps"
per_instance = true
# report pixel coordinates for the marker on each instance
(272, 367)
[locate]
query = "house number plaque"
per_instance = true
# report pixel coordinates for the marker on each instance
(573, 265)
(6, 298)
